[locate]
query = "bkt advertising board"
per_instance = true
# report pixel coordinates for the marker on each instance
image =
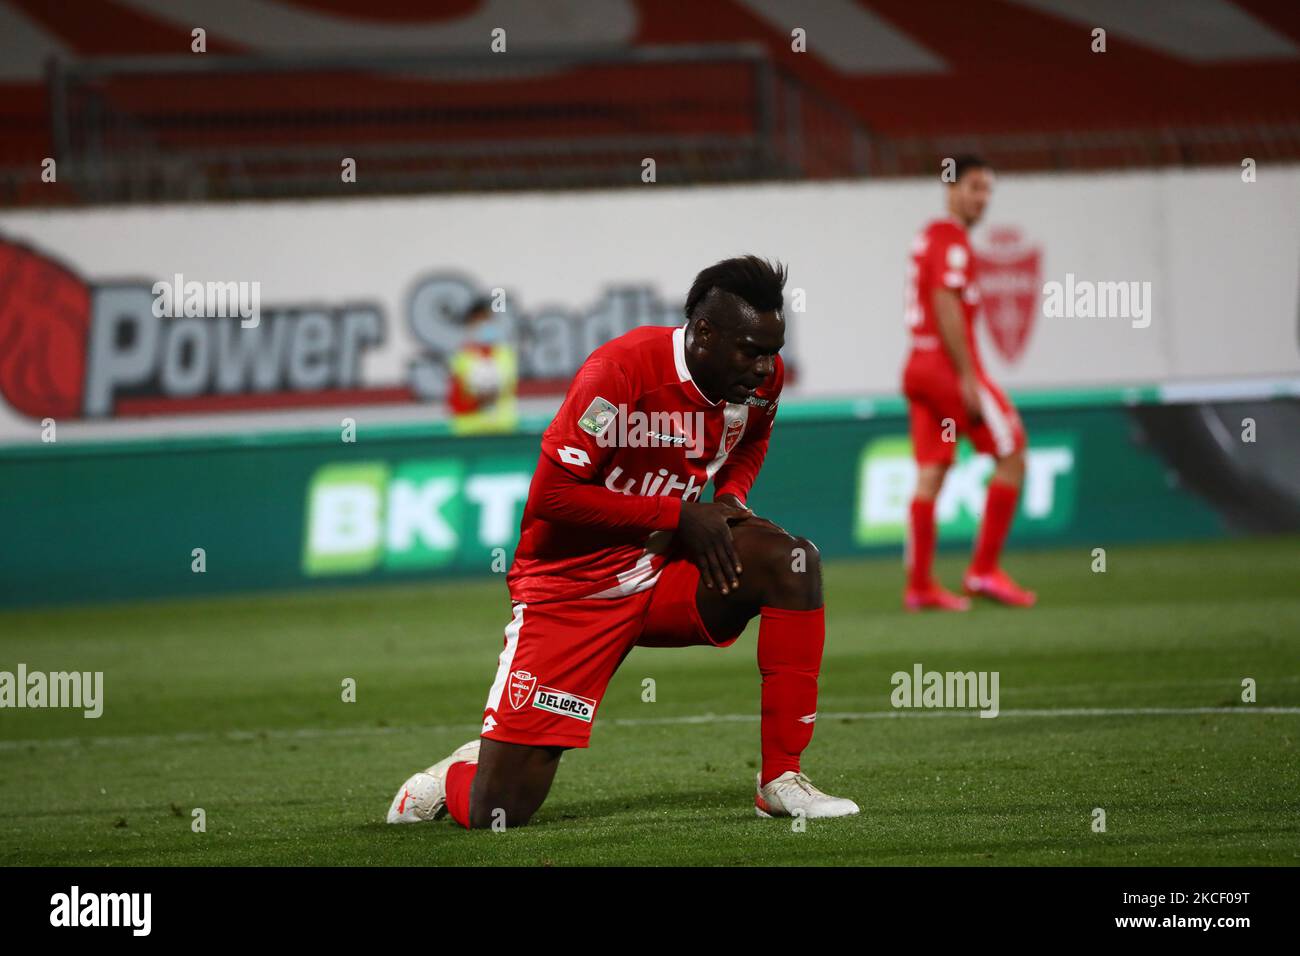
(321, 512)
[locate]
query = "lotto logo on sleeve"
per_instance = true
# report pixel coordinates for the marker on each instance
(574, 456)
(565, 704)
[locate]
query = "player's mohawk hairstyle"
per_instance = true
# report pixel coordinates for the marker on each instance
(758, 282)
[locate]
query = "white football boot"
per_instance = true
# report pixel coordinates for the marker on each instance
(424, 796)
(793, 791)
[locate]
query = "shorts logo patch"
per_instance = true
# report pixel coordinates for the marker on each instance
(565, 704)
(521, 686)
(599, 415)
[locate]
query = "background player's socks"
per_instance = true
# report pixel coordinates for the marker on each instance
(999, 509)
(459, 778)
(920, 545)
(789, 658)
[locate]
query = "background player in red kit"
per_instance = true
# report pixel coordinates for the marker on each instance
(616, 550)
(949, 395)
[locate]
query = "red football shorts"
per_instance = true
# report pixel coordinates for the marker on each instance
(939, 416)
(560, 655)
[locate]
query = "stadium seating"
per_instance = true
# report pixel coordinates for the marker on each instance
(745, 106)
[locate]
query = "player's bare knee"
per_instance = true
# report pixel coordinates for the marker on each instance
(929, 481)
(1011, 469)
(490, 814)
(480, 808)
(804, 556)
(758, 544)
(805, 571)
(791, 570)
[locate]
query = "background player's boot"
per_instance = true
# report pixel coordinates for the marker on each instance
(424, 796)
(793, 791)
(999, 586)
(934, 598)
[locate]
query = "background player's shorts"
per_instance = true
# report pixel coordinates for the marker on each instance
(560, 655)
(934, 396)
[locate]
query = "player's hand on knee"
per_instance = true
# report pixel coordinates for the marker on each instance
(705, 531)
(733, 501)
(752, 520)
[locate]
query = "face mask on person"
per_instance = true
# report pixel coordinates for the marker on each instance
(487, 332)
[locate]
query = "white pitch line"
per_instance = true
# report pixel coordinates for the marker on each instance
(950, 712)
(317, 733)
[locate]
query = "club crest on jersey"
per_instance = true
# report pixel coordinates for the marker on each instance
(735, 428)
(1009, 283)
(599, 415)
(521, 688)
(565, 704)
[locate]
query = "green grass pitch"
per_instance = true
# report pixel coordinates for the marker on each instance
(234, 705)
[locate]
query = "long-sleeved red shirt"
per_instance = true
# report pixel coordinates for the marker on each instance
(634, 438)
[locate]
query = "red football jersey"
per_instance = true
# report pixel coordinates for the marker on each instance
(634, 422)
(941, 259)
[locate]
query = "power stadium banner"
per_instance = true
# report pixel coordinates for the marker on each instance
(94, 355)
(403, 504)
(123, 323)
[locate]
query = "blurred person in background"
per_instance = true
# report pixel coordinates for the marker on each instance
(949, 395)
(484, 374)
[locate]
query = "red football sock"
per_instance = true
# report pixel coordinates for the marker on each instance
(789, 658)
(999, 509)
(920, 545)
(459, 777)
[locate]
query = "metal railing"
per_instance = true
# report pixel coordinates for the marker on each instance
(233, 127)
(205, 127)
(1263, 139)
